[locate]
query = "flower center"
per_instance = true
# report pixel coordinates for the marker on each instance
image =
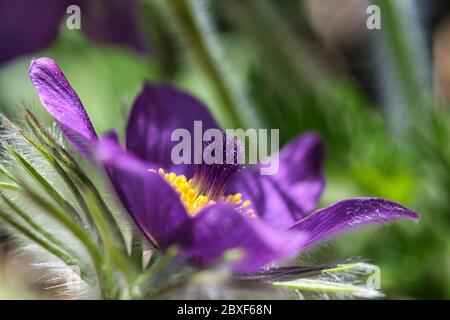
(212, 178)
(194, 200)
(220, 161)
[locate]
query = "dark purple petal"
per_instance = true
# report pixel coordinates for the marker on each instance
(287, 196)
(156, 113)
(152, 203)
(63, 104)
(348, 214)
(28, 26)
(113, 21)
(219, 228)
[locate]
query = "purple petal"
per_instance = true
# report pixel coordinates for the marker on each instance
(348, 214)
(113, 21)
(156, 113)
(287, 196)
(63, 104)
(152, 203)
(219, 228)
(28, 26)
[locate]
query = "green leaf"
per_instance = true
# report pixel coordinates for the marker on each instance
(45, 185)
(341, 280)
(9, 186)
(54, 249)
(328, 287)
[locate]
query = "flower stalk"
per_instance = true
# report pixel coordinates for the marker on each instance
(194, 27)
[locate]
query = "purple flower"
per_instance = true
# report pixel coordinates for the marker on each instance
(28, 26)
(268, 217)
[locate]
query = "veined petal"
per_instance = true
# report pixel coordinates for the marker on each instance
(28, 26)
(62, 102)
(287, 196)
(348, 214)
(220, 227)
(152, 203)
(156, 113)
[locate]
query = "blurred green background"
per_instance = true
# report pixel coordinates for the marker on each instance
(378, 97)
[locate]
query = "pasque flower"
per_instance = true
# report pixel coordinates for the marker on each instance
(207, 209)
(28, 26)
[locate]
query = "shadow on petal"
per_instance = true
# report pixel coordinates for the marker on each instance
(284, 198)
(156, 113)
(219, 228)
(151, 202)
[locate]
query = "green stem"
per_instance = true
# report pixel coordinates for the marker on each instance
(116, 255)
(62, 173)
(194, 27)
(407, 68)
(137, 251)
(154, 269)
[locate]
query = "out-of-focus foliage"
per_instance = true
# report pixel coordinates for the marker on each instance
(283, 73)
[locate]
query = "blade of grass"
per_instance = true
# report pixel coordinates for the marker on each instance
(407, 65)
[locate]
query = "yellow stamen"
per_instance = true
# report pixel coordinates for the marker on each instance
(246, 204)
(193, 201)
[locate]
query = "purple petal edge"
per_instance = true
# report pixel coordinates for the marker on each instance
(220, 227)
(157, 111)
(349, 214)
(287, 196)
(151, 202)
